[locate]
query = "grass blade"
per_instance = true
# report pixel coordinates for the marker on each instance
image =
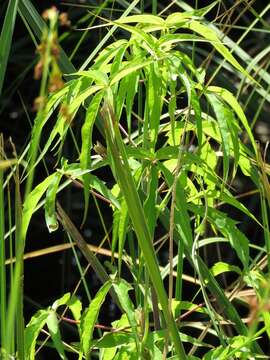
(6, 38)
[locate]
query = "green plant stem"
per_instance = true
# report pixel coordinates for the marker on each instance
(2, 253)
(128, 188)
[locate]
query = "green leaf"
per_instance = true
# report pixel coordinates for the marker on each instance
(62, 301)
(142, 19)
(50, 214)
(107, 54)
(151, 200)
(6, 37)
(111, 340)
(131, 88)
(227, 227)
(31, 202)
(98, 76)
(228, 198)
(154, 104)
(83, 96)
(218, 353)
(138, 34)
(182, 218)
(211, 35)
(177, 19)
(221, 267)
(122, 231)
(169, 39)
(224, 116)
(90, 317)
(85, 155)
(131, 67)
(227, 96)
(72, 302)
(122, 288)
(52, 323)
(75, 306)
(32, 331)
(127, 353)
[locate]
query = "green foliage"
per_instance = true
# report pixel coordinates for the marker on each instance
(173, 145)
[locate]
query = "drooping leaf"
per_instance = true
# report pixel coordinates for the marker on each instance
(142, 19)
(50, 214)
(85, 155)
(32, 331)
(122, 232)
(90, 317)
(233, 103)
(6, 37)
(122, 288)
(224, 116)
(221, 267)
(53, 326)
(150, 202)
(208, 33)
(31, 202)
(227, 227)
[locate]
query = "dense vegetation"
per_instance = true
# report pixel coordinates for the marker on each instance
(134, 180)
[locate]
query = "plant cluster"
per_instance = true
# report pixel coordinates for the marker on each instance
(174, 145)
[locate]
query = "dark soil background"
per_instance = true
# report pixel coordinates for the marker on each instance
(48, 277)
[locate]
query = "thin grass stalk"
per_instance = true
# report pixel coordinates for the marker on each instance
(82, 275)
(108, 35)
(265, 219)
(154, 7)
(2, 250)
(19, 311)
(47, 58)
(14, 298)
(11, 254)
(6, 38)
(37, 24)
(179, 274)
(82, 38)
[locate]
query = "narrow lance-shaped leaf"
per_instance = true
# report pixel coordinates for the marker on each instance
(150, 202)
(142, 19)
(227, 227)
(182, 218)
(53, 326)
(32, 331)
(211, 35)
(90, 317)
(154, 102)
(72, 302)
(122, 288)
(122, 232)
(172, 105)
(231, 100)
(222, 267)
(85, 156)
(31, 202)
(132, 88)
(222, 114)
(6, 37)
